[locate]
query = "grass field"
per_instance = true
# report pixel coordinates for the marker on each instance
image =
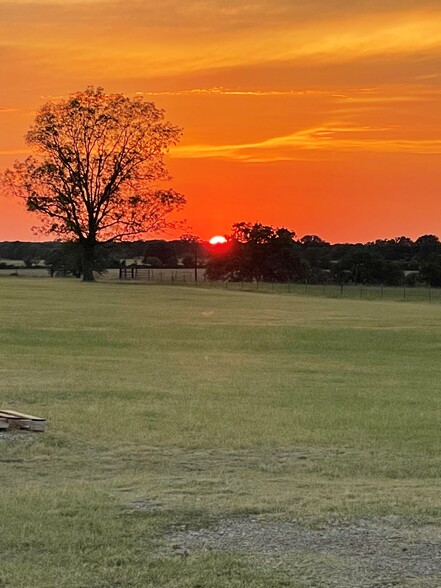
(172, 411)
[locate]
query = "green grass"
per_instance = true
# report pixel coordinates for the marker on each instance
(347, 291)
(207, 403)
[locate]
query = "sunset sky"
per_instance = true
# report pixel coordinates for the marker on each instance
(320, 115)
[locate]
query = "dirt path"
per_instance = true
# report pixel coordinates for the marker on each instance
(363, 554)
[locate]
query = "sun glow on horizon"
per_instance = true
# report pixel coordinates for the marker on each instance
(217, 240)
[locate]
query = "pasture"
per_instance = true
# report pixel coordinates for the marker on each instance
(218, 437)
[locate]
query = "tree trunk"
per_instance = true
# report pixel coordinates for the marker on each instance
(88, 254)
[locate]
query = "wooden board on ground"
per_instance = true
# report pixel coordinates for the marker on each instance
(23, 421)
(5, 415)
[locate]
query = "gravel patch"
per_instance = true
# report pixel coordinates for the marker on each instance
(364, 554)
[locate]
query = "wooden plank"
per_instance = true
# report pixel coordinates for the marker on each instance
(28, 425)
(20, 415)
(3, 424)
(37, 426)
(19, 420)
(23, 424)
(5, 415)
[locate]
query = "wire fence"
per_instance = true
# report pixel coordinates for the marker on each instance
(185, 276)
(344, 291)
(347, 291)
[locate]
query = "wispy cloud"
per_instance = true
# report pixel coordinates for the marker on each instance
(403, 34)
(328, 137)
(231, 92)
(391, 94)
(135, 38)
(383, 95)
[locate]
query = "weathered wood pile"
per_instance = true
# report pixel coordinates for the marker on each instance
(10, 419)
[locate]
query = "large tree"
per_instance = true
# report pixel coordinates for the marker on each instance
(257, 252)
(94, 176)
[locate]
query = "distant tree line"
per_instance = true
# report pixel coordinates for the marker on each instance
(66, 257)
(261, 252)
(255, 252)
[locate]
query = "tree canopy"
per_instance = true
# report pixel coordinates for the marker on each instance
(258, 252)
(94, 176)
(261, 252)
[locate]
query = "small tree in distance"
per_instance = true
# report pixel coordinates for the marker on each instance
(93, 179)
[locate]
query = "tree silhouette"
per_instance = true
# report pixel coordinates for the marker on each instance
(257, 252)
(93, 179)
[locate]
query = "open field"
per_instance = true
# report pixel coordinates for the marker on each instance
(216, 438)
(185, 276)
(24, 272)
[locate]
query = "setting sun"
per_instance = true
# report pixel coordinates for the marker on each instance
(217, 240)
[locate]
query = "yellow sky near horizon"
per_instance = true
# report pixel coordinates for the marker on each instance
(323, 116)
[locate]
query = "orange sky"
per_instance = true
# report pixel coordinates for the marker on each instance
(320, 115)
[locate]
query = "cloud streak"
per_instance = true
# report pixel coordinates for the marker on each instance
(325, 138)
(137, 38)
(231, 92)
